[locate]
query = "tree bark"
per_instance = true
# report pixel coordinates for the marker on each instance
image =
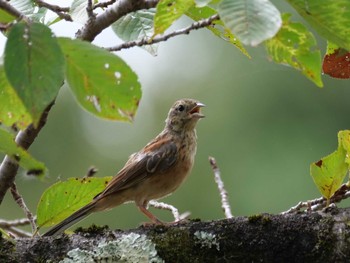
(304, 237)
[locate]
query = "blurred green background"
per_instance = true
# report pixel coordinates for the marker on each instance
(265, 124)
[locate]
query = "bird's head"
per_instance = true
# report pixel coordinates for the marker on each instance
(184, 115)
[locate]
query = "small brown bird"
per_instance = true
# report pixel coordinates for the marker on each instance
(154, 172)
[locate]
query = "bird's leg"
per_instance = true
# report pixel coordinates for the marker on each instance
(153, 218)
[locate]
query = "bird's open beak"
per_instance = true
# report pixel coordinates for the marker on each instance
(196, 111)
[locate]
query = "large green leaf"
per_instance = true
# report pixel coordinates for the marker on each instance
(9, 147)
(101, 81)
(329, 172)
(169, 11)
(251, 21)
(294, 45)
(64, 198)
(331, 19)
(34, 66)
(217, 27)
(137, 25)
(12, 111)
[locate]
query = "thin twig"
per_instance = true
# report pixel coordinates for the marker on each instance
(60, 11)
(91, 172)
(317, 204)
(104, 4)
(174, 210)
(157, 39)
(11, 10)
(16, 232)
(14, 223)
(19, 200)
(224, 197)
(10, 226)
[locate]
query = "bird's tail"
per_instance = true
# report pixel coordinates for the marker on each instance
(71, 220)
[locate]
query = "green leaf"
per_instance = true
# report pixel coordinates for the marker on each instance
(329, 172)
(251, 21)
(217, 27)
(9, 147)
(294, 45)
(34, 66)
(169, 11)
(331, 19)
(64, 198)
(6, 17)
(12, 111)
(101, 81)
(135, 26)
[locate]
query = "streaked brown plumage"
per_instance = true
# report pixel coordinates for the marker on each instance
(155, 171)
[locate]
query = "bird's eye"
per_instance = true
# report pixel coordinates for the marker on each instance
(181, 108)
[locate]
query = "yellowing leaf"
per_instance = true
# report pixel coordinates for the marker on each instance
(329, 172)
(294, 45)
(64, 198)
(330, 19)
(344, 137)
(24, 159)
(169, 11)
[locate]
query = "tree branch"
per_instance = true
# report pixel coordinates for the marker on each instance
(157, 39)
(9, 167)
(10, 9)
(314, 237)
(60, 11)
(122, 7)
(317, 204)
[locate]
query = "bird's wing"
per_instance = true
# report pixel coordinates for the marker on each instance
(155, 157)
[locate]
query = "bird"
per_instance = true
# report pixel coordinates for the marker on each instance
(155, 171)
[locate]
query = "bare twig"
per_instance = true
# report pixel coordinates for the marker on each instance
(16, 232)
(9, 166)
(10, 9)
(19, 200)
(317, 204)
(224, 198)
(14, 223)
(115, 11)
(104, 4)
(157, 39)
(60, 11)
(91, 172)
(174, 210)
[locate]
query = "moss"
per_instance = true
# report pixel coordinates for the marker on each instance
(7, 249)
(93, 230)
(167, 239)
(128, 248)
(262, 218)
